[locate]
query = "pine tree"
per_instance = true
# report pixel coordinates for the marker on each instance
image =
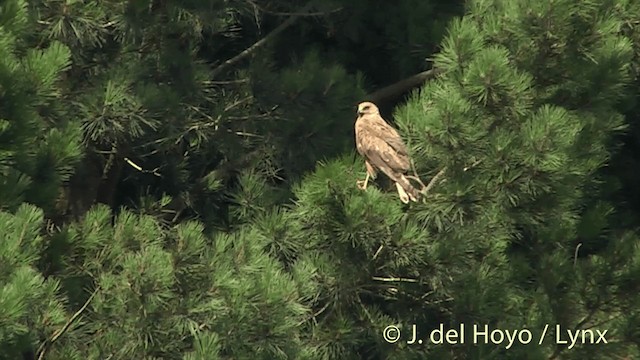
(162, 114)
(147, 292)
(39, 148)
(170, 207)
(519, 233)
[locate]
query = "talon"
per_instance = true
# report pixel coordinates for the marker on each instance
(362, 184)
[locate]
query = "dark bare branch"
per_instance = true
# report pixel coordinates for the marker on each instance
(278, 13)
(47, 344)
(234, 60)
(402, 86)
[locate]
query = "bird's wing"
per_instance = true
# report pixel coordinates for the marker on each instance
(383, 149)
(391, 136)
(381, 145)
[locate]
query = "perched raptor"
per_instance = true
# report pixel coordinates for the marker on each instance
(383, 150)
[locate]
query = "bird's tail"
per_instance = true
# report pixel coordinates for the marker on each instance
(406, 191)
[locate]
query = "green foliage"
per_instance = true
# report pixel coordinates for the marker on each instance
(30, 304)
(314, 114)
(37, 153)
(177, 182)
(157, 291)
(518, 110)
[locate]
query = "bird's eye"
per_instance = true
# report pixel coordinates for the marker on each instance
(366, 107)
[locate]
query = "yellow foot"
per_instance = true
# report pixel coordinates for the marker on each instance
(361, 184)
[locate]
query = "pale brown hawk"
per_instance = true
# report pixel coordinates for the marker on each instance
(383, 150)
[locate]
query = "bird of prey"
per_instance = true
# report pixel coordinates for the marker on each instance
(383, 150)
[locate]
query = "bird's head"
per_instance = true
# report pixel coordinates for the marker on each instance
(367, 108)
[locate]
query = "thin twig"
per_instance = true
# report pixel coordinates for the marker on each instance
(205, 115)
(415, 175)
(249, 117)
(110, 23)
(290, 21)
(240, 133)
(417, 179)
(137, 167)
(475, 163)
(316, 314)
(107, 166)
(277, 13)
(47, 344)
(413, 168)
(434, 181)
(378, 252)
(237, 103)
(226, 82)
(393, 279)
(578, 326)
(364, 308)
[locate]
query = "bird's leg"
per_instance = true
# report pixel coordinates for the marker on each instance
(404, 197)
(417, 179)
(415, 175)
(362, 184)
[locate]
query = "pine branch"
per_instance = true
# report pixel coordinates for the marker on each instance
(579, 325)
(415, 176)
(434, 181)
(47, 344)
(476, 163)
(139, 168)
(316, 314)
(402, 86)
(575, 255)
(277, 13)
(438, 178)
(394, 279)
(378, 252)
(234, 60)
(364, 308)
